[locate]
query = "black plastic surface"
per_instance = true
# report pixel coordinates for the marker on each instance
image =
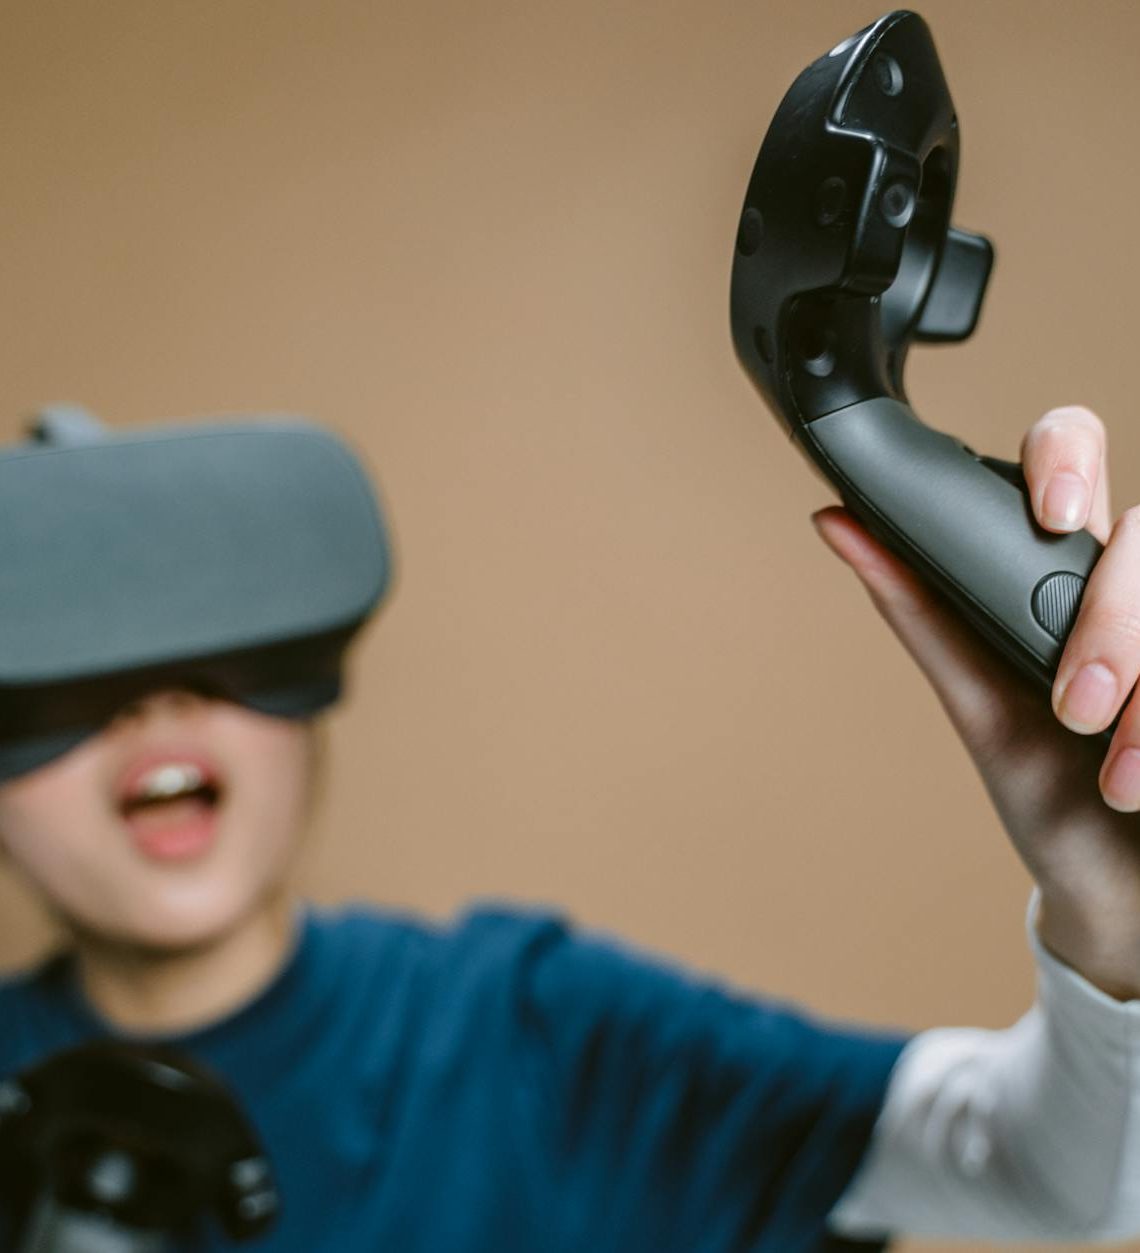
(138, 1134)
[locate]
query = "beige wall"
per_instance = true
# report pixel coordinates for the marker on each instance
(489, 243)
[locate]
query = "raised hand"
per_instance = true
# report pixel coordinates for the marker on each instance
(1068, 805)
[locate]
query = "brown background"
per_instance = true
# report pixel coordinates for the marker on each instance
(490, 244)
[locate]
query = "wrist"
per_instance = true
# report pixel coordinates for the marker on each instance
(1102, 944)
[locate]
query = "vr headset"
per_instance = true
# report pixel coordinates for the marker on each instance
(237, 559)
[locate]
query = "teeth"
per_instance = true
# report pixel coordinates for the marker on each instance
(169, 780)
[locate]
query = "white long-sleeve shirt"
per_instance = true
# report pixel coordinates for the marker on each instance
(1031, 1133)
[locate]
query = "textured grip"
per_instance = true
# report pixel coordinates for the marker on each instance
(960, 522)
(1056, 600)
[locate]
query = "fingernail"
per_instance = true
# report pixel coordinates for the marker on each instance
(1121, 787)
(1088, 701)
(1066, 501)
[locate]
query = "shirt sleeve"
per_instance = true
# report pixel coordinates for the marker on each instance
(684, 1115)
(1031, 1133)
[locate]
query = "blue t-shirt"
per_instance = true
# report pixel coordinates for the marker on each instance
(505, 1083)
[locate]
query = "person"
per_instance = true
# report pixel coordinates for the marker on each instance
(506, 1081)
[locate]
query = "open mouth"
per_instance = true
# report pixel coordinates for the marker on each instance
(170, 805)
(208, 795)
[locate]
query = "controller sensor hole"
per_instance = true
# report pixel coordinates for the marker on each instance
(830, 200)
(817, 352)
(897, 204)
(750, 233)
(888, 74)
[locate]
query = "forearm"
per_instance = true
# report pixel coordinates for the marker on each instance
(1028, 1133)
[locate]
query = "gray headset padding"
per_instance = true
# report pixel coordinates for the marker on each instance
(246, 554)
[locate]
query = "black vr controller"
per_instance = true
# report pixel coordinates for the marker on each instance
(845, 255)
(118, 1147)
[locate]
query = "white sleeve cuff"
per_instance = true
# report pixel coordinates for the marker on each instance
(1024, 1134)
(1066, 995)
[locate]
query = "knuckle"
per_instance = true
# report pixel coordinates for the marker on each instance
(1118, 623)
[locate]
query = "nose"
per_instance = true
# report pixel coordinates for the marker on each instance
(172, 700)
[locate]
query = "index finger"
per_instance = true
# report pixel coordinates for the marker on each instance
(1064, 456)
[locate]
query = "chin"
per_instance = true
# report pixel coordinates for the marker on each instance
(172, 918)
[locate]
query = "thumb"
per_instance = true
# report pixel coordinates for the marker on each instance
(979, 689)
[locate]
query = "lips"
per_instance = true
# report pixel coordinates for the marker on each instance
(127, 786)
(176, 829)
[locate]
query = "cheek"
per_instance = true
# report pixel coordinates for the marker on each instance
(62, 847)
(260, 825)
(272, 776)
